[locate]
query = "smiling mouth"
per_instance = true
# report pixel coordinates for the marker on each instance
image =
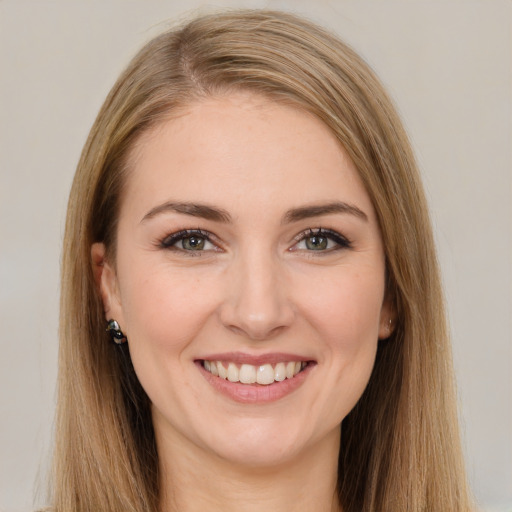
(264, 374)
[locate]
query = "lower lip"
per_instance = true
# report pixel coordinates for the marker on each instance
(255, 393)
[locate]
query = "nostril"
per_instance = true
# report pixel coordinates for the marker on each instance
(256, 333)
(256, 305)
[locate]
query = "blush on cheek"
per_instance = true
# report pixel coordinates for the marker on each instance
(160, 306)
(178, 308)
(349, 316)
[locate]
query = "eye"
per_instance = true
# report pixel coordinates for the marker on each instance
(322, 240)
(189, 240)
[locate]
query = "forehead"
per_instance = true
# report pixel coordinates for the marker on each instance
(240, 149)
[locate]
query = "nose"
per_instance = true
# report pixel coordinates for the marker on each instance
(256, 304)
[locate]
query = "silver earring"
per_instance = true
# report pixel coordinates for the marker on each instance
(115, 332)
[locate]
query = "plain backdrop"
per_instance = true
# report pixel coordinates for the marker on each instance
(448, 66)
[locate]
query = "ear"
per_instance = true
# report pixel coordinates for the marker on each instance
(105, 278)
(387, 322)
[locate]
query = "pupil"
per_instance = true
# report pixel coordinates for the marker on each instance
(316, 243)
(193, 242)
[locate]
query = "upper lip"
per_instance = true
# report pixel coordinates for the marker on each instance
(255, 360)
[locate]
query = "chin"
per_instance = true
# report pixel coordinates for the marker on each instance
(261, 454)
(260, 443)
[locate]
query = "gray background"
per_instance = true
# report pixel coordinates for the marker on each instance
(447, 64)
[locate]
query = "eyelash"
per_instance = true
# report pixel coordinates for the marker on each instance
(341, 241)
(170, 241)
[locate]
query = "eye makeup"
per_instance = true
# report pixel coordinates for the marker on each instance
(321, 240)
(189, 240)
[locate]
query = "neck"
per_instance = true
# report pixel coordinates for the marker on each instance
(193, 480)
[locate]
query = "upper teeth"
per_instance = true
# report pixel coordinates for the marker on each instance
(249, 374)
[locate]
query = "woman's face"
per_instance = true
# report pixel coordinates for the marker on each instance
(247, 245)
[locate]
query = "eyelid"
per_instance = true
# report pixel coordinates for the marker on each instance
(169, 240)
(341, 240)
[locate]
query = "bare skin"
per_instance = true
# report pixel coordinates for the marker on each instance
(246, 238)
(306, 485)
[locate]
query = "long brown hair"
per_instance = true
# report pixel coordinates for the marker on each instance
(400, 448)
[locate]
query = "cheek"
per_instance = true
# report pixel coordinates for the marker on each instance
(346, 315)
(165, 307)
(346, 307)
(165, 312)
(349, 325)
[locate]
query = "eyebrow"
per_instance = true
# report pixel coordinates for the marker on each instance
(306, 212)
(193, 209)
(219, 215)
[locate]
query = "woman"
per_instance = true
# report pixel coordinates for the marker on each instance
(248, 223)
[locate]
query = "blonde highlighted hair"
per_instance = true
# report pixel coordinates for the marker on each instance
(400, 448)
